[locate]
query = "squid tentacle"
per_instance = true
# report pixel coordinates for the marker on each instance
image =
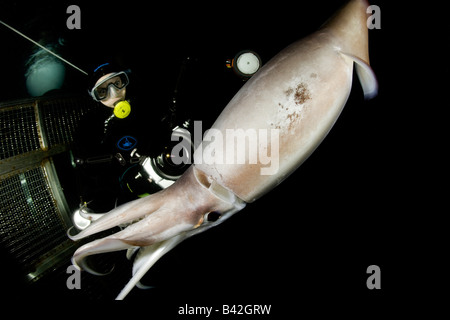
(149, 256)
(160, 220)
(95, 247)
(123, 214)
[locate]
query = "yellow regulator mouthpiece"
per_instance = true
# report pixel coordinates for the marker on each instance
(122, 109)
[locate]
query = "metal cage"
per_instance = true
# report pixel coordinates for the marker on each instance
(34, 213)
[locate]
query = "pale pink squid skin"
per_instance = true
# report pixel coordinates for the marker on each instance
(300, 93)
(180, 208)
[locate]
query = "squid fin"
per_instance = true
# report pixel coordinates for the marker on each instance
(366, 76)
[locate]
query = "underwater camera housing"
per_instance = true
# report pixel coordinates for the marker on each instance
(166, 167)
(147, 175)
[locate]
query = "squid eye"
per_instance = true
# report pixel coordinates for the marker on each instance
(213, 216)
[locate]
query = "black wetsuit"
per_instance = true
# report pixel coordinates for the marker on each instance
(102, 152)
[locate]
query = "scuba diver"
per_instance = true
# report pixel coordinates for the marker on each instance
(121, 149)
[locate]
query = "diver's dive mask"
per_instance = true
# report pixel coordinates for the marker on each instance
(109, 86)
